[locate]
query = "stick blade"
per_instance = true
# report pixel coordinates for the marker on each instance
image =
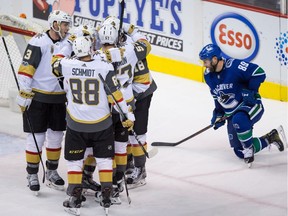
(163, 144)
(153, 152)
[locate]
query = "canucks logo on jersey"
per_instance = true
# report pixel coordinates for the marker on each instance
(227, 100)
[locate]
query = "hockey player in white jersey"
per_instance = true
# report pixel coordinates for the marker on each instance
(143, 86)
(89, 185)
(89, 121)
(81, 30)
(42, 99)
(134, 52)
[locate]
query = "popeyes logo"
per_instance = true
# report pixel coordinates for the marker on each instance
(236, 36)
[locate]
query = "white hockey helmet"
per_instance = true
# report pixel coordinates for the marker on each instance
(58, 16)
(82, 46)
(113, 21)
(85, 30)
(108, 34)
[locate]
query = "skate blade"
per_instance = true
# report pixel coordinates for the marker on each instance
(88, 192)
(73, 211)
(53, 186)
(280, 130)
(106, 211)
(36, 193)
(249, 165)
(139, 184)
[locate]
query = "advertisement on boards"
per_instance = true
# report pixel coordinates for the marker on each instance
(243, 34)
(93, 12)
(236, 36)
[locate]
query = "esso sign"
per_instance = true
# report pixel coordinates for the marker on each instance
(236, 36)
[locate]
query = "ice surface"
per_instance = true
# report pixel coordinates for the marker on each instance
(200, 177)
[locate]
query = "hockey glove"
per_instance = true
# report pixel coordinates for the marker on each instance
(128, 28)
(24, 99)
(114, 54)
(129, 122)
(217, 120)
(249, 97)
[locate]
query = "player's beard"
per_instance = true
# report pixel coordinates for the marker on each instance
(212, 68)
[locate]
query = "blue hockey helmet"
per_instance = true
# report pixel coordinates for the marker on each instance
(209, 51)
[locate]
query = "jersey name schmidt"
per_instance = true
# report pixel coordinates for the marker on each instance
(83, 72)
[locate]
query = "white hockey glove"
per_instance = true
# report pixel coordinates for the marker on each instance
(114, 54)
(128, 28)
(129, 122)
(24, 99)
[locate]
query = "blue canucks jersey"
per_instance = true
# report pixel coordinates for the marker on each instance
(226, 86)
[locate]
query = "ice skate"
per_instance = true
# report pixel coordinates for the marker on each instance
(73, 203)
(33, 183)
(137, 178)
(104, 199)
(54, 180)
(98, 198)
(276, 137)
(89, 185)
(248, 155)
(115, 199)
(120, 185)
(130, 165)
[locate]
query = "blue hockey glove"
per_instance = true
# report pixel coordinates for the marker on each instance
(216, 120)
(249, 97)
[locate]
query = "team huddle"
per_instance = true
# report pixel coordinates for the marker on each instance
(94, 84)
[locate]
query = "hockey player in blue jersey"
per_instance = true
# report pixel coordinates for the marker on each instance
(234, 85)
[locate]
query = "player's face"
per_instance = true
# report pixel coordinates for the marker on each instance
(210, 64)
(64, 28)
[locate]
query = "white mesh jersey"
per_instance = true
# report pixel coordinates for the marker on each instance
(142, 78)
(125, 72)
(88, 107)
(35, 72)
(66, 50)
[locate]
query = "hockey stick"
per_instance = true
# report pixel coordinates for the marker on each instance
(153, 151)
(25, 112)
(126, 189)
(189, 137)
(122, 3)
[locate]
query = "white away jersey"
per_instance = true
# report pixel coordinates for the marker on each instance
(36, 65)
(88, 107)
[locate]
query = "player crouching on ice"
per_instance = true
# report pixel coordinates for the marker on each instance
(234, 87)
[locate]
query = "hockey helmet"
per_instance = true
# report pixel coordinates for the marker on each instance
(85, 30)
(58, 16)
(108, 34)
(113, 21)
(209, 51)
(82, 46)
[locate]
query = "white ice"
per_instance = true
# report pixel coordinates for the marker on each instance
(201, 177)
